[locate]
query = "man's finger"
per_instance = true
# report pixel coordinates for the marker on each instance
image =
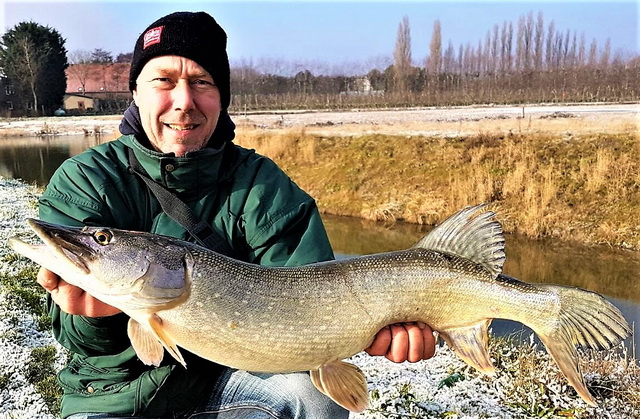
(380, 344)
(47, 279)
(399, 343)
(416, 342)
(429, 342)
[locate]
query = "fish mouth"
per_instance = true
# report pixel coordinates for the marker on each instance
(63, 243)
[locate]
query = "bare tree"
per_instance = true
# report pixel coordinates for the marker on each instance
(449, 59)
(538, 43)
(551, 33)
(605, 57)
(593, 54)
(506, 45)
(402, 54)
(495, 56)
(32, 62)
(525, 42)
(80, 67)
(582, 54)
(434, 63)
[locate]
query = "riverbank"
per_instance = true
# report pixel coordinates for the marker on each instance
(574, 176)
(563, 171)
(527, 382)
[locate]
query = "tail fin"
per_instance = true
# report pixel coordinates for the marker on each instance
(585, 319)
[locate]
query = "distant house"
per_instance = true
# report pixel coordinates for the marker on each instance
(361, 86)
(101, 88)
(81, 103)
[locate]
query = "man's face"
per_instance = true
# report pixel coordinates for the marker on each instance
(179, 104)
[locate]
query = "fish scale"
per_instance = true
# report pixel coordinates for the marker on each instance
(267, 319)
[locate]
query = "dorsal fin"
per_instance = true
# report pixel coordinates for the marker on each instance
(471, 234)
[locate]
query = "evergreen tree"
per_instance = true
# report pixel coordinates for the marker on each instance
(33, 59)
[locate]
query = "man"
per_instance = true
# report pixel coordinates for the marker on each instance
(180, 133)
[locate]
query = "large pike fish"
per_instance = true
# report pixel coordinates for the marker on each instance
(312, 317)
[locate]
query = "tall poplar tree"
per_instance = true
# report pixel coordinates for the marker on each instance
(434, 63)
(402, 55)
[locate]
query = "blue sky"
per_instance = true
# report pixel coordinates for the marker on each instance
(331, 32)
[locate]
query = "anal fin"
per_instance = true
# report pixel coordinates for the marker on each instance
(471, 345)
(344, 383)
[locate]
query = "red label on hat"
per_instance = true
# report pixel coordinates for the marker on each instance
(152, 36)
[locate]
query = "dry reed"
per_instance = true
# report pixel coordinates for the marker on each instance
(584, 188)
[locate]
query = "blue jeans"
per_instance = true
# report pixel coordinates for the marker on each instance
(240, 394)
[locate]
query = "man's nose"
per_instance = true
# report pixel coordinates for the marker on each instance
(183, 98)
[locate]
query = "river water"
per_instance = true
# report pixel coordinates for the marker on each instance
(614, 273)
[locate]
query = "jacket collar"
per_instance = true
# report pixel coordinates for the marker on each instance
(195, 173)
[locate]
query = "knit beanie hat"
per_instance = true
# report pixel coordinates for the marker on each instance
(196, 36)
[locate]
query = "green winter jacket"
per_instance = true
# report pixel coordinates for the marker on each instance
(263, 215)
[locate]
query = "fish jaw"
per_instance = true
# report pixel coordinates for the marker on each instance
(119, 267)
(50, 257)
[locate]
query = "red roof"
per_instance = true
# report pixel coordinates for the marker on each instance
(98, 78)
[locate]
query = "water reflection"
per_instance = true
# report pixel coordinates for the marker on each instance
(610, 272)
(34, 159)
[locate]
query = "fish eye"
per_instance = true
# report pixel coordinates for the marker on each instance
(103, 237)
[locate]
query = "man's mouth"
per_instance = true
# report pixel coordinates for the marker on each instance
(182, 127)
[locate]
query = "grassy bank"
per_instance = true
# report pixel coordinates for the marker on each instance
(570, 186)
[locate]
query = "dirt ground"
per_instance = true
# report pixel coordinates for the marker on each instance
(443, 122)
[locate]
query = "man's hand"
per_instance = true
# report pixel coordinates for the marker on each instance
(404, 342)
(71, 299)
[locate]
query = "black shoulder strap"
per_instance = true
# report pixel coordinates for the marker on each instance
(175, 208)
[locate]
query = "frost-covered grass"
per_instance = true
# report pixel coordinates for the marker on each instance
(527, 383)
(29, 354)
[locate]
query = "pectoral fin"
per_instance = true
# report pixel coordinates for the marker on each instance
(167, 341)
(344, 383)
(145, 343)
(148, 343)
(470, 344)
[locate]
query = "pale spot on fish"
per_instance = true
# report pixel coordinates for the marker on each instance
(322, 327)
(233, 325)
(270, 308)
(216, 295)
(245, 301)
(199, 304)
(237, 313)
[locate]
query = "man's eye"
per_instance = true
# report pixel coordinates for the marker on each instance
(202, 83)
